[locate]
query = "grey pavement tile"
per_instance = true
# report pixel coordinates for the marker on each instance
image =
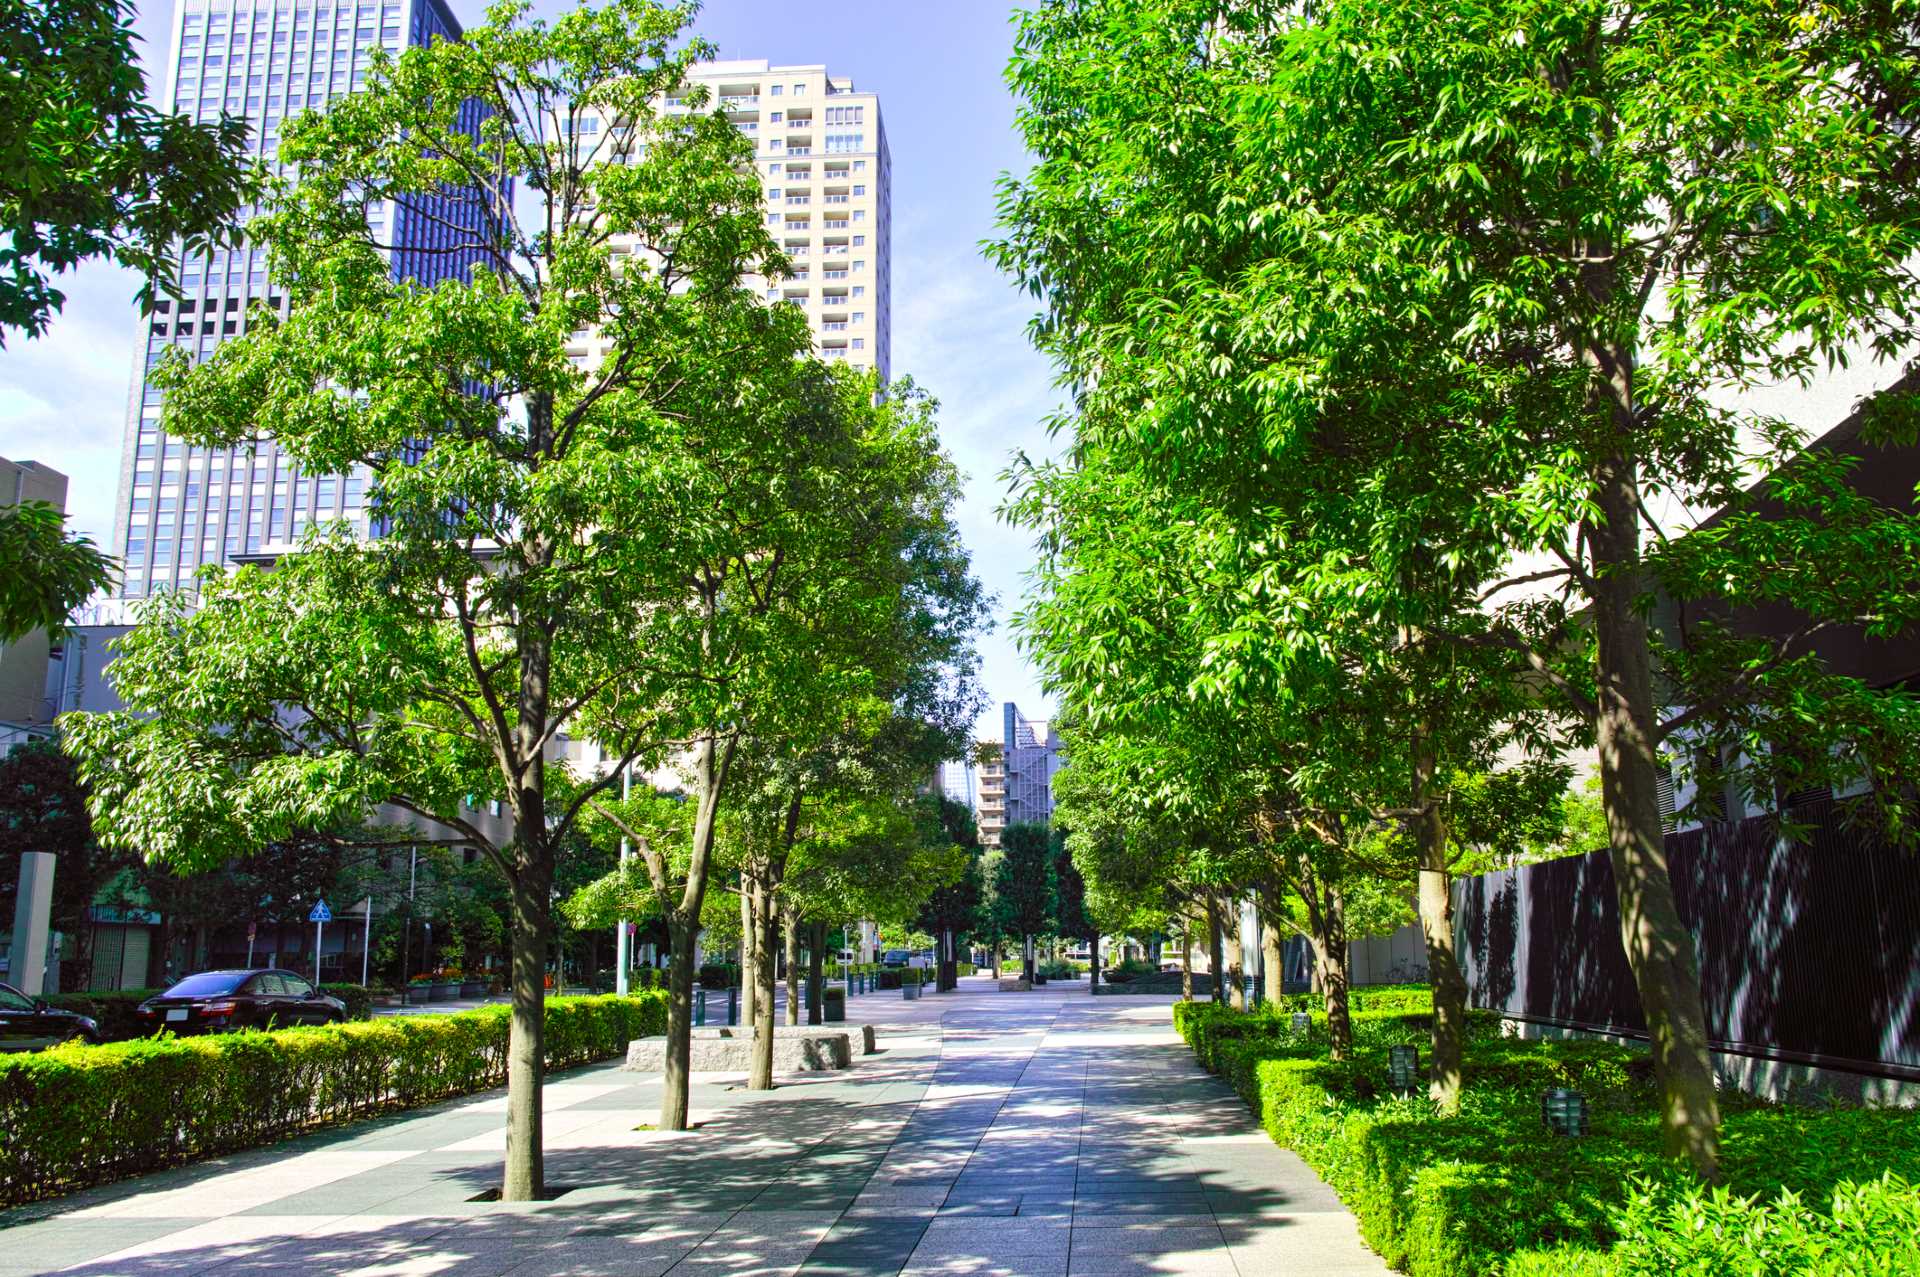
(1171, 1265)
(1146, 1239)
(1012, 1266)
(49, 1245)
(995, 1142)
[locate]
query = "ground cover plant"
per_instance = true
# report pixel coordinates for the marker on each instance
(79, 1115)
(1829, 1190)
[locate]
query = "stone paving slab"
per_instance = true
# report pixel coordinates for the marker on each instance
(1045, 1134)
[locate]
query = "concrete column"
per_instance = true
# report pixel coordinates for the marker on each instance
(32, 911)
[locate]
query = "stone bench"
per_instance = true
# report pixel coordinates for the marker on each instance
(1015, 986)
(867, 1043)
(731, 1051)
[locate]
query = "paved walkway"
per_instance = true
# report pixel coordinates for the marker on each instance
(1048, 1134)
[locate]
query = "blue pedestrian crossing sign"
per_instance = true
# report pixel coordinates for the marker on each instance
(320, 913)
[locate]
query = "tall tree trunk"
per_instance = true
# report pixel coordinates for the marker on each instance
(760, 1072)
(1216, 956)
(524, 1177)
(1186, 960)
(749, 950)
(1330, 953)
(1236, 968)
(1273, 955)
(1028, 967)
(816, 984)
(681, 977)
(1658, 945)
(1436, 925)
(793, 968)
(712, 760)
(1093, 968)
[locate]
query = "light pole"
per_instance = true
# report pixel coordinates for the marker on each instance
(621, 941)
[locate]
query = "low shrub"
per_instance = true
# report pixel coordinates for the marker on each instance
(1060, 969)
(887, 978)
(719, 975)
(1127, 970)
(1366, 997)
(1490, 1190)
(358, 998)
(83, 1115)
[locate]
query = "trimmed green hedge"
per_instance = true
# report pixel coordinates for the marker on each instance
(1492, 1191)
(74, 1116)
(359, 999)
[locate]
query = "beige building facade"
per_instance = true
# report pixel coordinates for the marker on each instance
(820, 152)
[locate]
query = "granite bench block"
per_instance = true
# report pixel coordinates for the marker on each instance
(794, 1051)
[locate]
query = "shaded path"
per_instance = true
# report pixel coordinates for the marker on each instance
(1047, 1134)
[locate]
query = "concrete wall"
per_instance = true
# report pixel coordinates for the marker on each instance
(23, 665)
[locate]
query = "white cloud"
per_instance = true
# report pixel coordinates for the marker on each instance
(63, 397)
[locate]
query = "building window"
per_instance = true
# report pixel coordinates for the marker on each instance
(776, 90)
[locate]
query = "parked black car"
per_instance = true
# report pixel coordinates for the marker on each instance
(27, 1024)
(213, 1001)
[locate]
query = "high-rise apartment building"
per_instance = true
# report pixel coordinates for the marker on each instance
(820, 151)
(267, 60)
(990, 803)
(1032, 752)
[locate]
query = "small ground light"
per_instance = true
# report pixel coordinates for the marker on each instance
(1302, 1021)
(1564, 1111)
(1403, 1066)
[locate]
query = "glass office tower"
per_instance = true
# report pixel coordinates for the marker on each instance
(178, 506)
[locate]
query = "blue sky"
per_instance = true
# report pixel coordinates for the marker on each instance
(959, 327)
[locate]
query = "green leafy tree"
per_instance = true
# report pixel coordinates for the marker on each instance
(43, 807)
(44, 572)
(952, 912)
(1494, 276)
(88, 168)
(611, 551)
(1024, 886)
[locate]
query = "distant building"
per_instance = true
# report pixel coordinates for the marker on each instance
(181, 506)
(1032, 754)
(820, 152)
(990, 807)
(25, 710)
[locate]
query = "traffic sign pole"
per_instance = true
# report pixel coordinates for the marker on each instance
(320, 916)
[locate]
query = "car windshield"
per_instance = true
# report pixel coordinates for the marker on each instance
(208, 982)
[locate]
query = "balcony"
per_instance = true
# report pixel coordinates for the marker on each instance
(837, 327)
(799, 199)
(835, 226)
(837, 199)
(738, 101)
(833, 274)
(799, 150)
